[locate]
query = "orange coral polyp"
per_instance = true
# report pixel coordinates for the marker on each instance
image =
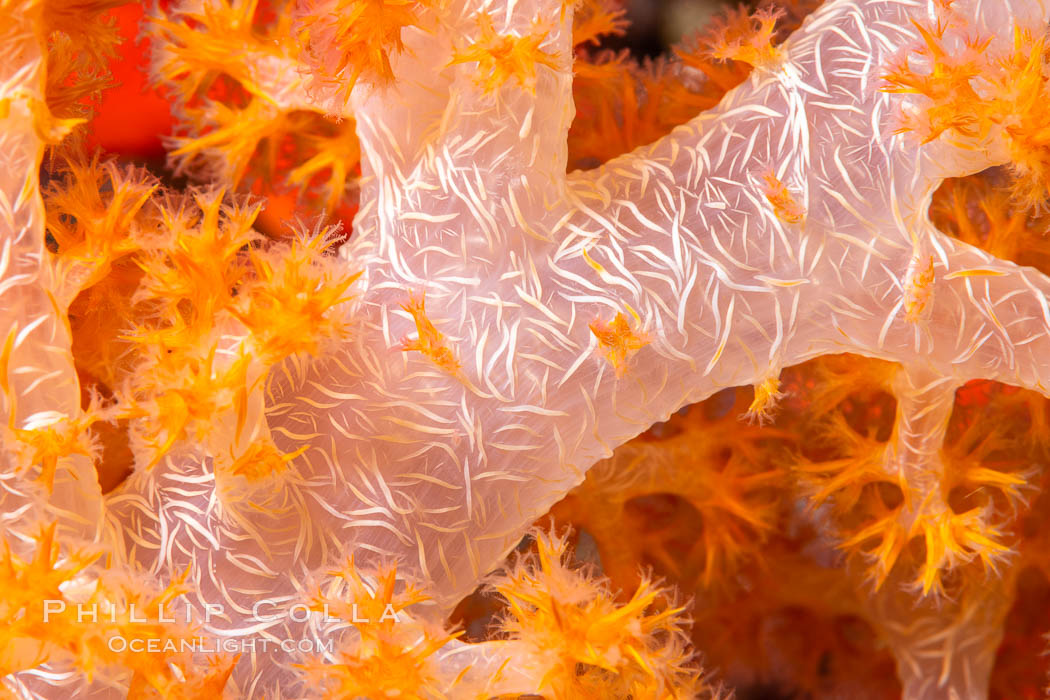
(574, 623)
(48, 446)
(618, 341)
(594, 19)
(976, 92)
(505, 57)
(429, 341)
(348, 40)
(290, 304)
(786, 208)
(37, 607)
(748, 38)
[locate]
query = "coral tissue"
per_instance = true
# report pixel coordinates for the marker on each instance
(241, 458)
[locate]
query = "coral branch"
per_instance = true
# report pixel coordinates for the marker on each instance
(465, 197)
(787, 223)
(38, 386)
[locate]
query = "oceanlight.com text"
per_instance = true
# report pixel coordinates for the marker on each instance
(119, 644)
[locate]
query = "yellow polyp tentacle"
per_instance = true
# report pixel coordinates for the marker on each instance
(593, 263)
(430, 342)
(767, 393)
(634, 314)
(259, 460)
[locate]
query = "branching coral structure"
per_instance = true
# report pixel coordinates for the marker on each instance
(321, 435)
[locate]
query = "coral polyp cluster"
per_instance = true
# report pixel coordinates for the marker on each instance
(273, 415)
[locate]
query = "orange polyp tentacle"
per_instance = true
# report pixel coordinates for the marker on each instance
(980, 92)
(594, 19)
(748, 38)
(357, 34)
(505, 57)
(767, 393)
(785, 206)
(618, 341)
(430, 341)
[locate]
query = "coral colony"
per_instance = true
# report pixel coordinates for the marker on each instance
(254, 461)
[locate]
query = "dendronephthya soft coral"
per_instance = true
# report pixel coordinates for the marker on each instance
(286, 408)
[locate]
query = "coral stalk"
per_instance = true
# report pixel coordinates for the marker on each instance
(38, 386)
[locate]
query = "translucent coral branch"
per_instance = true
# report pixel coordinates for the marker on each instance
(945, 648)
(38, 386)
(913, 460)
(464, 197)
